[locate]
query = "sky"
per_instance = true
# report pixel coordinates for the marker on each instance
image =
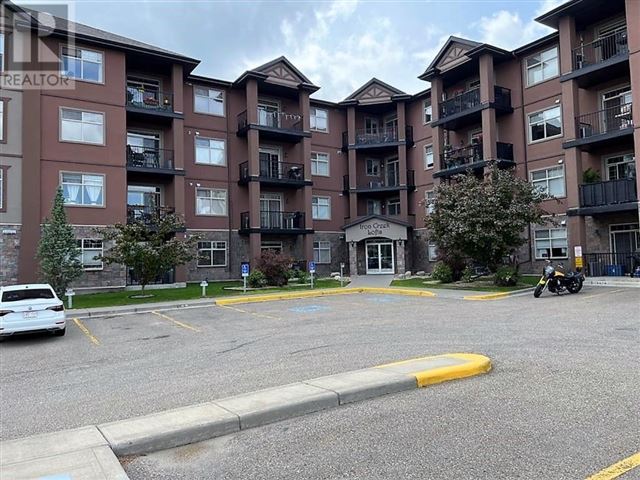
(338, 44)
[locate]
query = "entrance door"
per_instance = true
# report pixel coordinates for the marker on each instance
(270, 211)
(268, 113)
(270, 165)
(625, 240)
(392, 172)
(380, 257)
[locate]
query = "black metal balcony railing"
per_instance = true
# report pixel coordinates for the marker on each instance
(153, 158)
(610, 264)
(147, 214)
(149, 99)
(277, 171)
(275, 220)
(274, 120)
(601, 49)
(605, 121)
(612, 192)
(471, 99)
(382, 184)
(470, 154)
(380, 136)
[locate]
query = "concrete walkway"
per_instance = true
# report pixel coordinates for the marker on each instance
(371, 281)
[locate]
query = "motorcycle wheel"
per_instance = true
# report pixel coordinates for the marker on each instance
(575, 286)
(538, 291)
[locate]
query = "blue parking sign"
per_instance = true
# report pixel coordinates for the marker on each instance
(312, 267)
(245, 269)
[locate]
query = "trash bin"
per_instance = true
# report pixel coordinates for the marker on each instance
(615, 270)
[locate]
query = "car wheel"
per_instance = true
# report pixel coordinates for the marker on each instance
(60, 333)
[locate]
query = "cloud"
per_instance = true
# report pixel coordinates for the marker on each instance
(508, 30)
(321, 46)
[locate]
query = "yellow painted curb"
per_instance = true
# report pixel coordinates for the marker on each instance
(488, 296)
(321, 293)
(475, 365)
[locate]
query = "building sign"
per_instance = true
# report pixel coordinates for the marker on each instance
(376, 227)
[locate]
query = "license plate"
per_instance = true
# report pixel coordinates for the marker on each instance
(30, 314)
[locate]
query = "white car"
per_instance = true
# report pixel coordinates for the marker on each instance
(31, 308)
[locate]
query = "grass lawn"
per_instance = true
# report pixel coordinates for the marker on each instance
(192, 291)
(482, 284)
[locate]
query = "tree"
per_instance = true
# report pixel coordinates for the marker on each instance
(483, 218)
(58, 250)
(149, 249)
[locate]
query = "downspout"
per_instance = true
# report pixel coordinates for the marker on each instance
(229, 186)
(526, 159)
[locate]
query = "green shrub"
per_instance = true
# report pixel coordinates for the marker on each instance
(467, 274)
(304, 277)
(276, 267)
(506, 276)
(442, 272)
(257, 279)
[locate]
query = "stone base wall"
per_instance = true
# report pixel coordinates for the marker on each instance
(419, 248)
(231, 270)
(9, 251)
(339, 253)
(597, 228)
(109, 276)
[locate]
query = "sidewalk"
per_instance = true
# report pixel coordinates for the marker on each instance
(88, 453)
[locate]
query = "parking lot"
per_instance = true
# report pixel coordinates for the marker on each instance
(562, 401)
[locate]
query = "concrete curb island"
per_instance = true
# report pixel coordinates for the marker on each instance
(89, 452)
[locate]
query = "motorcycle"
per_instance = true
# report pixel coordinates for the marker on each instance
(554, 279)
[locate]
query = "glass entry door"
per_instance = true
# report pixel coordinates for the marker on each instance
(270, 165)
(392, 173)
(380, 257)
(270, 211)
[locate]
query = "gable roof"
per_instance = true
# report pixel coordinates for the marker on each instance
(371, 86)
(267, 67)
(371, 217)
(281, 69)
(445, 48)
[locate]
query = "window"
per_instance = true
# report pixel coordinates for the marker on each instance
(371, 125)
(322, 252)
(321, 208)
(373, 167)
(393, 206)
(432, 251)
(2, 122)
(210, 201)
(319, 164)
(212, 254)
(209, 100)
(551, 243)
(271, 245)
(428, 157)
(550, 181)
(210, 151)
(82, 64)
(428, 111)
(81, 126)
(90, 249)
(374, 207)
(83, 189)
(429, 201)
(1, 52)
(621, 166)
(542, 66)
(545, 124)
(2, 206)
(319, 119)
(473, 84)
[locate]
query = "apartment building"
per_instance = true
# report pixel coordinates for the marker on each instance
(259, 163)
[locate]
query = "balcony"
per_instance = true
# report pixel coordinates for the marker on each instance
(148, 215)
(150, 102)
(381, 186)
(609, 264)
(466, 109)
(602, 128)
(275, 222)
(605, 197)
(151, 160)
(277, 174)
(279, 126)
(380, 138)
(605, 58)
(471, 157)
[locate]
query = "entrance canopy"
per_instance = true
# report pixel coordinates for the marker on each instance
(375, 226)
